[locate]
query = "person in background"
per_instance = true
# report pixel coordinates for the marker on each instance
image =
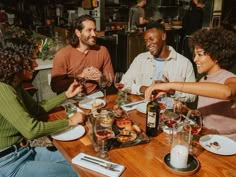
(81, 58)
(214, 54)
(192, 21)
(19, 118)
(137, 15)
(161, 63)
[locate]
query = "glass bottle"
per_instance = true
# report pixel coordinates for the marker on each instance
(152, 117)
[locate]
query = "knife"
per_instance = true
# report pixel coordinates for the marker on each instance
(100, 164)
(133, 104)
(96, 160)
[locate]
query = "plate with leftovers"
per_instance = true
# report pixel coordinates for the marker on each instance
(91, 103)
(218, 144)
(72, 133)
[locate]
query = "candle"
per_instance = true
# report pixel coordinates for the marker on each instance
(179, 156)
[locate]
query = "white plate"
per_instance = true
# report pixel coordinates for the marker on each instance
(227, 145)
(87, 103)
(70, 134)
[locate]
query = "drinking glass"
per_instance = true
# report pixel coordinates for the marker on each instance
(171, 120)
(117, 80)
(121, 95)
(81, 81)
(193, 122)
(105, 82)
(70, 109)
(103, 131)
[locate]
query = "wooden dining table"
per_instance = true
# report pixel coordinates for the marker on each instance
(144, 160)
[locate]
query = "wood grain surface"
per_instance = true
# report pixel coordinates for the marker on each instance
(145, 160)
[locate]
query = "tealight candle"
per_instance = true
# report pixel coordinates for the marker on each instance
(179, 156)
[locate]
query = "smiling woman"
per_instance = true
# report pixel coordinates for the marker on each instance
(214, 53)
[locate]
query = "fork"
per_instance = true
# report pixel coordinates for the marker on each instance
(105, 165)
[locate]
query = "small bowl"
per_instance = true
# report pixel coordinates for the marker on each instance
(192, 167)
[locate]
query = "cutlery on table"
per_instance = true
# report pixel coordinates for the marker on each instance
(103, 164)
(130, 105)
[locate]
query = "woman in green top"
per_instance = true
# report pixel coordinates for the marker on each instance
(18, 118)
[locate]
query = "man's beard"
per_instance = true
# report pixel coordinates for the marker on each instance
(88, 43)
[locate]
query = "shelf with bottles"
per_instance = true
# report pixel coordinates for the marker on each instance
(116, 25)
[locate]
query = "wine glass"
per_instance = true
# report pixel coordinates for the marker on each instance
(105, 81)
(103, 131)
(170, 122)
(117, 80)
(193, 122)
(121, 94)
(81, 81)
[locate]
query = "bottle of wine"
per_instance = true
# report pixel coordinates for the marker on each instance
(152, 117)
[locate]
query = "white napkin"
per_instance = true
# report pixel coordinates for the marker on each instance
(132, 105)
(77, 160)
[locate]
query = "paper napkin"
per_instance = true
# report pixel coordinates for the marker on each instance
(95, 167)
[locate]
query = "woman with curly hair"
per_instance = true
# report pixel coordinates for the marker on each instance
(214, 54)
(19, 118)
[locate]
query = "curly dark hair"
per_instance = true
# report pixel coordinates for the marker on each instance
(15, 58)
(11, 64)
(22, 44)
(77, 24)
(218, 43)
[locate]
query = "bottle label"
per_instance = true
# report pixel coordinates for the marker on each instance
(151, 119)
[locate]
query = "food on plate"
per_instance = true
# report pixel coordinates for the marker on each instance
(215, 145)
(97, 104)
(124, 123)
(126, 136)
(118, 110)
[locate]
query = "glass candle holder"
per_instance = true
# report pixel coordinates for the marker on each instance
(180, 149)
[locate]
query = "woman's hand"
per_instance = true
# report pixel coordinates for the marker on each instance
(77, 118)
(160, 88)
(74, 89)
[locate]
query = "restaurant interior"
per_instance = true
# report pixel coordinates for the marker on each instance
(49, 21)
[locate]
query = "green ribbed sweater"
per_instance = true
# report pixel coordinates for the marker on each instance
(18, 112)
